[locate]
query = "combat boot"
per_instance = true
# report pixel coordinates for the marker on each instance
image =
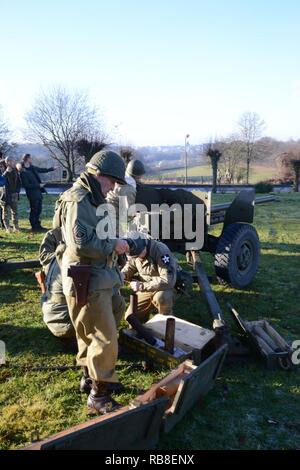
(85, 382)
(99, 399)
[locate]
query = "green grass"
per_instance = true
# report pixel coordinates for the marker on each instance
(250, 407)
(257, 172)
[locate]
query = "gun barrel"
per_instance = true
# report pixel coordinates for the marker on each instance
(218, 210)
(7, 266)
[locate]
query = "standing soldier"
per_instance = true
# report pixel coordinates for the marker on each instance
(10, 196)
(89, 273)
(151, 271)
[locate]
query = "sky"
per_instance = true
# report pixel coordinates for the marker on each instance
(157, 69)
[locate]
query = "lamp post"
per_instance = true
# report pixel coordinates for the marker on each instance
(185, 150)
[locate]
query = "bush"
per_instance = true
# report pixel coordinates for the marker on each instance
(263, 187)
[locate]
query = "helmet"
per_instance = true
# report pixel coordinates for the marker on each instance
(107, 163)
(136, 245)
(135, 168)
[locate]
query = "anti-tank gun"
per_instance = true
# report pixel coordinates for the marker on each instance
(236, 250)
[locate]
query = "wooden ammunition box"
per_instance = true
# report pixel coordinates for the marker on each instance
(191, 339)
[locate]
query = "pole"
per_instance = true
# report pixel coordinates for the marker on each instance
(185, 150)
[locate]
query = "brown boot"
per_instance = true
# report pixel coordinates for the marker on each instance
(99, 399)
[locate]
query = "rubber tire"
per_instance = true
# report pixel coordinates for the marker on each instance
(229, 248)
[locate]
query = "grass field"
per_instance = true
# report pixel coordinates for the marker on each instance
(257, 172)
(250, 407)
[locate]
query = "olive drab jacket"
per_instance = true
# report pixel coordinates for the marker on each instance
(76, 215)
(48, 247)
(157, 271)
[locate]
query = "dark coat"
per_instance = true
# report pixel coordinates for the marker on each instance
(31, 181)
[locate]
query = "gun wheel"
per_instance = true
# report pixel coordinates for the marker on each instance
(237, 255)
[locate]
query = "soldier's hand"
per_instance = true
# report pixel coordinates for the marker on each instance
(136, 286)
(121, 247)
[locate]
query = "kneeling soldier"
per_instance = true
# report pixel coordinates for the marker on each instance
(151, 271)
(54, 305)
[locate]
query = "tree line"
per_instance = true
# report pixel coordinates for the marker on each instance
(71, 129)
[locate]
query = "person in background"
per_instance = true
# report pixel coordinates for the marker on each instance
(2, 186)
(34, 188)
(10, 196)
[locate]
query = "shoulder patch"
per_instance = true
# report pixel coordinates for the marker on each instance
(165, 259)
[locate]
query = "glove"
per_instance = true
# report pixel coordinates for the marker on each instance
(136, 286)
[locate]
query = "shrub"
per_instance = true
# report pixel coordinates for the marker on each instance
(263, 187)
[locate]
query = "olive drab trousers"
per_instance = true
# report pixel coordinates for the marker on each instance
(162, 300)
(96, 333)
(13, 206)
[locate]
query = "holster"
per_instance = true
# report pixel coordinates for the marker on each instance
(80, 273)
(40, 277)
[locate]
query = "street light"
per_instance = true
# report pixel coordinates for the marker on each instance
(185, 150)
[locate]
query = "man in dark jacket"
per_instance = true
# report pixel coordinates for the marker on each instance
(2, 186)
(31, 181)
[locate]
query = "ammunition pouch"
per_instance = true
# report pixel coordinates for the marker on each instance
(41, 279)
(80, 273)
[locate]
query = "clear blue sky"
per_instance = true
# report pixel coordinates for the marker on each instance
(158, 68)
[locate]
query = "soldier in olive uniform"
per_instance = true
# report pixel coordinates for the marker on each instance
(10, 196)
(151, 271)
(92, 316)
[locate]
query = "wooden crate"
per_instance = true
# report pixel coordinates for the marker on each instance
(190, 338)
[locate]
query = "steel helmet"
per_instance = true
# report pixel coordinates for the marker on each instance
(135, 168)
(107, 163)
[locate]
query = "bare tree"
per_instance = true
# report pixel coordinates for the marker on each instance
(214, 155)
(87, 146)
(59, 119)
(4, 133)
(251, 128)
(232, 159)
